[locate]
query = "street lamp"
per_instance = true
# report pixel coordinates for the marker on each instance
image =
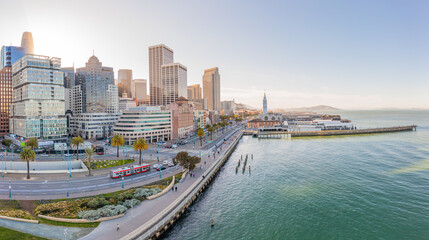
(10, 190)
(122, 181)
(70, 167)
(123, 158)
(157, 151)
(67, 187)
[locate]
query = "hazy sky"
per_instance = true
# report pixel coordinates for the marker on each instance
(347, 54)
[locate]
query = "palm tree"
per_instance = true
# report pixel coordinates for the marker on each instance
(32, 143)
(117, 141)
(211, 130)
(76, 142)
(7, 143)
(27, 154)
(207, 126)
(201, 134)
(140, 145)
(215, 127)
(90, 153)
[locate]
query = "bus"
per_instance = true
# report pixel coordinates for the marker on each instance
(99, 150)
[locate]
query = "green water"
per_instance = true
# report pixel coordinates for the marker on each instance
(355, 187)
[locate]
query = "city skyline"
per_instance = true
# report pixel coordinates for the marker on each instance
(371, 59)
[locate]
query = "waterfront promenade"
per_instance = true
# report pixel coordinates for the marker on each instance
(148, 211)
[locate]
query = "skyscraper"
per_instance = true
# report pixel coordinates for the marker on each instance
(10, 54)
(194, 92)
(69, 77)
(139, 87)
(38, 98)
(27, 43)
(5, 99)
(211, 88)
(97, 85)
(124, 81)
(158, 56)
(174, 82)
(264, 105)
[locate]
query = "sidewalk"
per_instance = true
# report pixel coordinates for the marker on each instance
(148, 209)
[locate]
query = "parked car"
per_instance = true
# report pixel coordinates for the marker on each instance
(156, 166)
(174, 146)
(167, 146)
(165, 162)
(161, 143)
(170, 164)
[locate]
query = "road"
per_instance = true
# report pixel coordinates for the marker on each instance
(93, 185)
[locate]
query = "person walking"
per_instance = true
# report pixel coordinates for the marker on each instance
(175, 188)
(117, 227)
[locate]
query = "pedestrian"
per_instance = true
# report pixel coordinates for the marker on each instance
(117, 227)
(204, 162)
(175, 188)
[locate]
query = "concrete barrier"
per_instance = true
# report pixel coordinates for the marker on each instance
(19, 219)
(45, 167)
(72, 220)
(168, 188)
(184, 175)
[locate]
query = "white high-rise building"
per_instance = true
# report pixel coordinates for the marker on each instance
(158, 55)
(174, 82)
(211, 88)
(139, 89)
(73, 99)
(38, 105)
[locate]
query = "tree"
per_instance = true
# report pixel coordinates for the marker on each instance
(222, 125)
(201, 134)
(186, 161)
(211, 130)
(7, 143)
(207, 126)
(90, 153)
(117, 141)
(76, 142)
(32, 143)
(27, 154)
(140, 145)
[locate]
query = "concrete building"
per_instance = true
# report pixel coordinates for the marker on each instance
(201, 104)
(200, 118)
(158, 55)
(69, 77)
(124, 81)
(139, 89)
(5, 99)
(174, 82)
(150, 123)
(194, 92)
(126, 103)
(93, 125)
(257, 123)
(100, 102)
(10, 54)
(97, 83)
(27, 43)
(182, 117)
(211, 88)
(264, 105)
(73, 99)
(228, 107)
(38, 98)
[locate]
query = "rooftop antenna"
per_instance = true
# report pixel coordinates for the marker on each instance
(93, 52)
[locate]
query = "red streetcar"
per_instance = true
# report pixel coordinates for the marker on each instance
(135, 169)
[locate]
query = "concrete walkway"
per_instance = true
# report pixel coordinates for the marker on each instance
(46, 231)
(149, 208)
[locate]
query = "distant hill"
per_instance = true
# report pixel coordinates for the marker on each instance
(314, 108)
(240, 106)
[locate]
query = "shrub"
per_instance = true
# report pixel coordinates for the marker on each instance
(125, 195)
(68, 209)
(146, 192)
(97, 202)
(106, 211)
(131, 203)
(16, 214)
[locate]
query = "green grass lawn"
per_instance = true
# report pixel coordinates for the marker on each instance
(9, 234)
(108, 163)
(66, 224)
(9, 205)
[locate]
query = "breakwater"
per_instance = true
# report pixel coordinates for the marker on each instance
(154, 228)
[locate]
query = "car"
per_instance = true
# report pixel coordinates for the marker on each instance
(170, 164)
(156, 166)
(44, 155)
(68, 155)
(167, 146)
(162, 167)
(174, 146)
(165, 162)
(161, 143)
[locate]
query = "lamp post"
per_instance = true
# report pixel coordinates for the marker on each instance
(10, 190)
(157, 151)
(123, 157)
(2, 172)
(67, 187)
(70, 165)
(122, 181)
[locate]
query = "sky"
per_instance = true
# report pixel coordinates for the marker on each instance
(347, 54)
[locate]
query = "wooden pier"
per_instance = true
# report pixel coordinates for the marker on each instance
(288, 135)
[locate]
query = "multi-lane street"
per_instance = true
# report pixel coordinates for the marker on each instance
(93, 185)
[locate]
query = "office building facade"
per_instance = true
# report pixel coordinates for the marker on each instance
(158, 55)
(5, 99)
(150, 123)
(69, 77)
(139, 87)
(10, 54)
(27, 43)
(211, 88)
(194, 92)
(174, 82)
(38, 98)
(124, 81)
(182, 118)
(228, 107)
